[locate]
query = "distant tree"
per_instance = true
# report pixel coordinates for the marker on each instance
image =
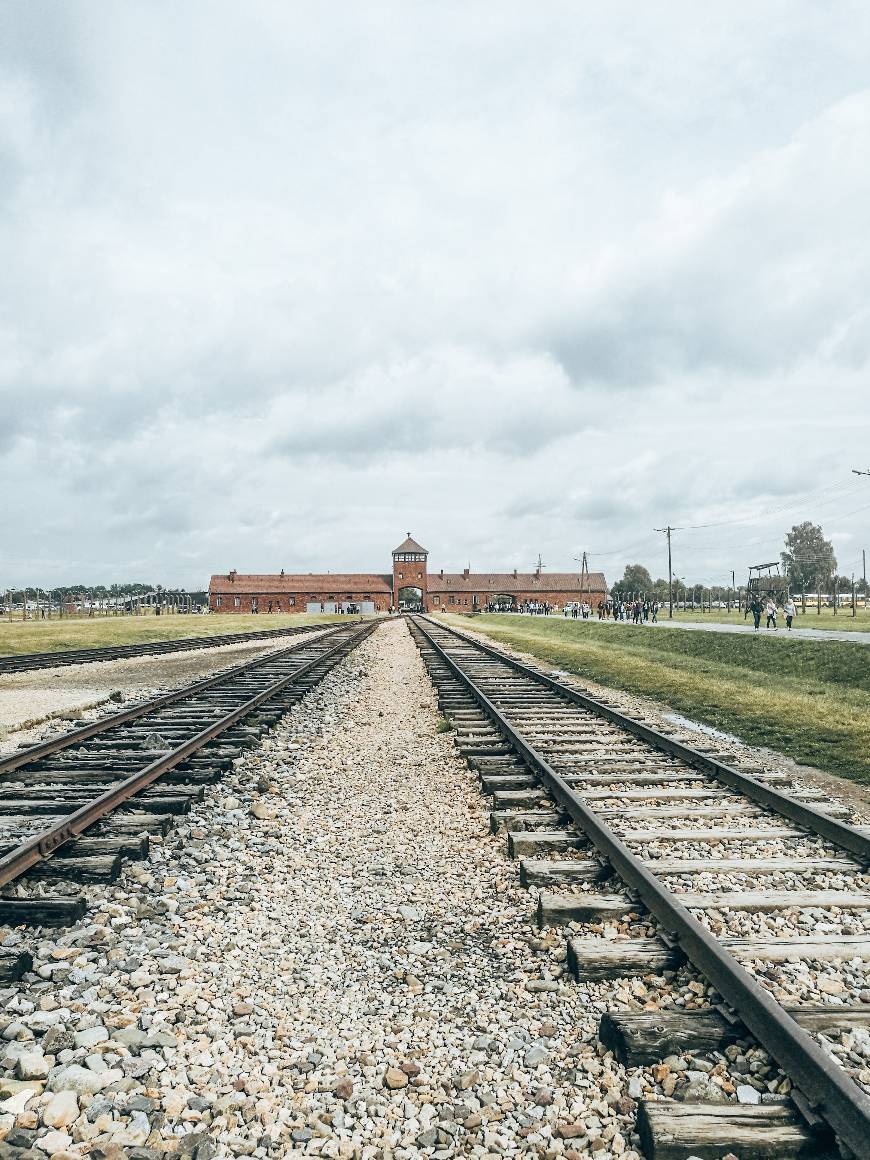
(808, 558)
(636, 579)
(660, 590)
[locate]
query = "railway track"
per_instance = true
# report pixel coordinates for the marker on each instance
(24, 662)
(620, 828)
(73, 807)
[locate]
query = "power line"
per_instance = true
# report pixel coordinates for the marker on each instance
(799, 500)
(620, 551)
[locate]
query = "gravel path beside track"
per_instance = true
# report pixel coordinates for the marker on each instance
(330, 956)
(845, 636)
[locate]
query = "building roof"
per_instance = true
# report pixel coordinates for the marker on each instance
(237, 584)
(510, 582)
(410, 546)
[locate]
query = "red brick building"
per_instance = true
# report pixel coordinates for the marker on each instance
(410, 585)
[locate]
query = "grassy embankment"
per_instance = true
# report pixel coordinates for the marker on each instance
(843, 621)
(807, 699)
(57, 634)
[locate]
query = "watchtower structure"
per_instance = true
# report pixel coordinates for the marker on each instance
(776, 586)
(410, 572)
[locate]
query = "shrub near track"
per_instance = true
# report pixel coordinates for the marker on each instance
(807, 699)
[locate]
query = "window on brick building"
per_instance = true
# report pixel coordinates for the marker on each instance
(218, 601)
(237, 602)
(254, 603)
(450, 600)
(436, 599)
(291, 601)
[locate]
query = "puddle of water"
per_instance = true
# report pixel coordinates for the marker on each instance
(696, 727)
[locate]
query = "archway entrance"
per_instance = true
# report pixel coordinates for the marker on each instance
(411, 599)
(502, 602)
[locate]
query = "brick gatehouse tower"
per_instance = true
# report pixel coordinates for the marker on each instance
(410, 581)
(408, 589)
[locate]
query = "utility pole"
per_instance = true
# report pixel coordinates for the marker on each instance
(667, 532)
(584, 571)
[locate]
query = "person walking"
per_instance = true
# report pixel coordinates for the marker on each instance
(771, 614)
(790, 612)
(756, 609)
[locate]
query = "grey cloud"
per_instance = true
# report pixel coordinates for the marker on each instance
(277, 281)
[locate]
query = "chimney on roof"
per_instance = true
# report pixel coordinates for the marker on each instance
(515, 571)
(231, 576)
(465, 571)
(442, 571)
(282, 571)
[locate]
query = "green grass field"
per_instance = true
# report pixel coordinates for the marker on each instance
(55, 635)
(844, 621)
(807, 699)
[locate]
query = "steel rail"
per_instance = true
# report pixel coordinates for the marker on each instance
(93, 728)
(24, 662)
(45, 843)
(841, 834)
(824, 1091)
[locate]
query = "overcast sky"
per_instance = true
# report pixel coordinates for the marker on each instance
(282, 281)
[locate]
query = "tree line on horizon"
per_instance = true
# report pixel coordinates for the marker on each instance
(69, 592)
(807, 560)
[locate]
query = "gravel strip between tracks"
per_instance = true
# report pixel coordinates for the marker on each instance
(331, 956)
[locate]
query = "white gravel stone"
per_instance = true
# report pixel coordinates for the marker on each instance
(61, 1110)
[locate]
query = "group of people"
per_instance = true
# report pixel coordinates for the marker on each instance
(767, 607)
(528, 607)
(639, 611)
(577, 611)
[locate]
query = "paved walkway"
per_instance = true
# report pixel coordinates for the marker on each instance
(705, 626)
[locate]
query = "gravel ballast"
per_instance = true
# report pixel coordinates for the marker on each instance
(329, 956)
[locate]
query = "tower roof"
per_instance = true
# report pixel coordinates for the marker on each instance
(410, 545)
